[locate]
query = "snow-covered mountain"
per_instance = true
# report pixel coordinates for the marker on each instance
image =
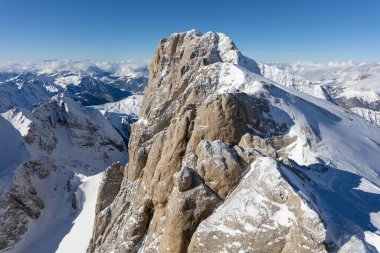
(30, 84)
(225, 154)
(122, 113)
(55, 146)
(354, 86)
(287, 79)
(223, 159)
(62, 144)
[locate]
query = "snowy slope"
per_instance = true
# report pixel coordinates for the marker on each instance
(354, 86)
(352, 77)
(12, 154)
(60, 228)
(57, 226)
(54, 149)
(341, 152)
(78, 238)
(122, 113)
(53, 168)
(290, 80)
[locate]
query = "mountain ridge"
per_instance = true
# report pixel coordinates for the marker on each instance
(204, 120)
(222, 150)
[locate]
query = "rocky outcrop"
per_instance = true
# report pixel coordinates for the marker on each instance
(263, 214)
(107, 192)
(21, 203)
(109, 188)
(186, 208)
(188, 152)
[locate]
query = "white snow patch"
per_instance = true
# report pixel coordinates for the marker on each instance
(80, 234)
(375, 219)
(367, 186)
(54, 222)
(373, 239)
(129, 105)
(283, 216)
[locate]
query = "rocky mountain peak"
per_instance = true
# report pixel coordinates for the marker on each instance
(222, 157)
(190, 150)
(180, 56)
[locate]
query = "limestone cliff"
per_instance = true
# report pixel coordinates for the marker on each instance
(197, 137)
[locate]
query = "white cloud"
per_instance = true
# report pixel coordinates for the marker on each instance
(123, 68)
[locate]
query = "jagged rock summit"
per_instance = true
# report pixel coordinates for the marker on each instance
(223, 160)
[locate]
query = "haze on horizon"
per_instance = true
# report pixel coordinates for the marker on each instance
(117, 30)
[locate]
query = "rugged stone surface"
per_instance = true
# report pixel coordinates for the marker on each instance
(21, 203)
(107, 192)
(110, 186)
(219, 165)
(263, 214)
(188, 152)
(185, 210)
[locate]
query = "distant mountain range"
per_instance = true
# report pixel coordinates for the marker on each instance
(354, 86)
(55, 142)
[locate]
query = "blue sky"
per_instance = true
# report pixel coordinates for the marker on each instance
(114, 30)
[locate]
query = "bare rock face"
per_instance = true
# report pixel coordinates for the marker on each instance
(188, 153)
(107, 192)
(185, 210)
(224, 117)
(263, 214)
(110, 186)
(21, 203)
(219, 165)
